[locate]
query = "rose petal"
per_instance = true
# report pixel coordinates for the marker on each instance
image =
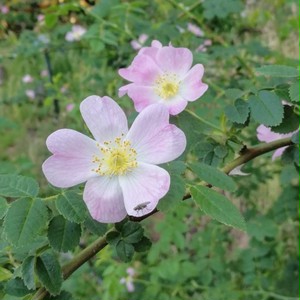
(104, 117)
(143, 187)
(165, 145)
(142, 96)
(104, 199)
(175, 60)
(71, 163)
(64, 172)
(142, 70)
(176, 104)
(123, 90)
(192, 88)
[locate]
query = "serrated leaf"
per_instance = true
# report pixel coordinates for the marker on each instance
(27, 270)
(289, 123)
(221, 151)
(233, 94)
(18, 186)
(143, 245)
(125, 251)
(3, 207)
(132, 232)
(266, 108)
(24, 221)
(49, 272)
(72, 207)
(218, 207)
(213, 176)
(63, 235)
(16, 287)
(113, 237)
(5, 274)
(95, 227)
(239, 112)
(294, 92)
(278, 71)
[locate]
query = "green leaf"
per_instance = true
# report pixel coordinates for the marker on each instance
(5, 274)
(49, 272)
(266, 108)
(233, 94)
(294, 92)
(278, 71)
(72, 207)
(95, 227)
(62, 296)
(113, 237)
(143, 245)
(289, 123)
(27, 270)
(3, 207)
(125, 251)
(218, 207)
(132, 232)
(25, 220)
(16, 287)
(51, 20)
(174, 195)
(295, 137)
(63, 235)
(221, 151)
(239, 112)
(18, 186)
(291, 155)
(213, 176)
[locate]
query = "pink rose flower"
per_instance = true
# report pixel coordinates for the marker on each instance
(30, 94)
(138, 44)
(75, 34)
(4, 9)
(163, 75)
(120, 164)
(27, 79)
(70, 107)
(264, 134)
(194, 29)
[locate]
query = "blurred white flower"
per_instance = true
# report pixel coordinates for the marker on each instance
(204, 45)
(27, 78)
(30, 94)
(44, 73)
(138, 44)
(195, 29)
(128, 281)
(75, 34)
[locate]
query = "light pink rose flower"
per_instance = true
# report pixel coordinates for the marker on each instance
(40, 18)
(264, 134)
(138, 44)
(30, 94)
(195, 30)
(120, 164)
(27, 78)
(4, 9)
(70, 107)
(75, 34)
(163, 75)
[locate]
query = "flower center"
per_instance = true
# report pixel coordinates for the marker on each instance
(167, 85)
(118, 158)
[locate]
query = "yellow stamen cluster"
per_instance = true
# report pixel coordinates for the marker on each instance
(167, 85)
(118, 158)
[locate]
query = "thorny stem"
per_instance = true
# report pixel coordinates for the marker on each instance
(100, 243)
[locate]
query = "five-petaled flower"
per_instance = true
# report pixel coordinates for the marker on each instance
(163, 75)
(120, 164)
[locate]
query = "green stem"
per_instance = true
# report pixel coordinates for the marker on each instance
(203, 120)
(251, 153)
(271, 294)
